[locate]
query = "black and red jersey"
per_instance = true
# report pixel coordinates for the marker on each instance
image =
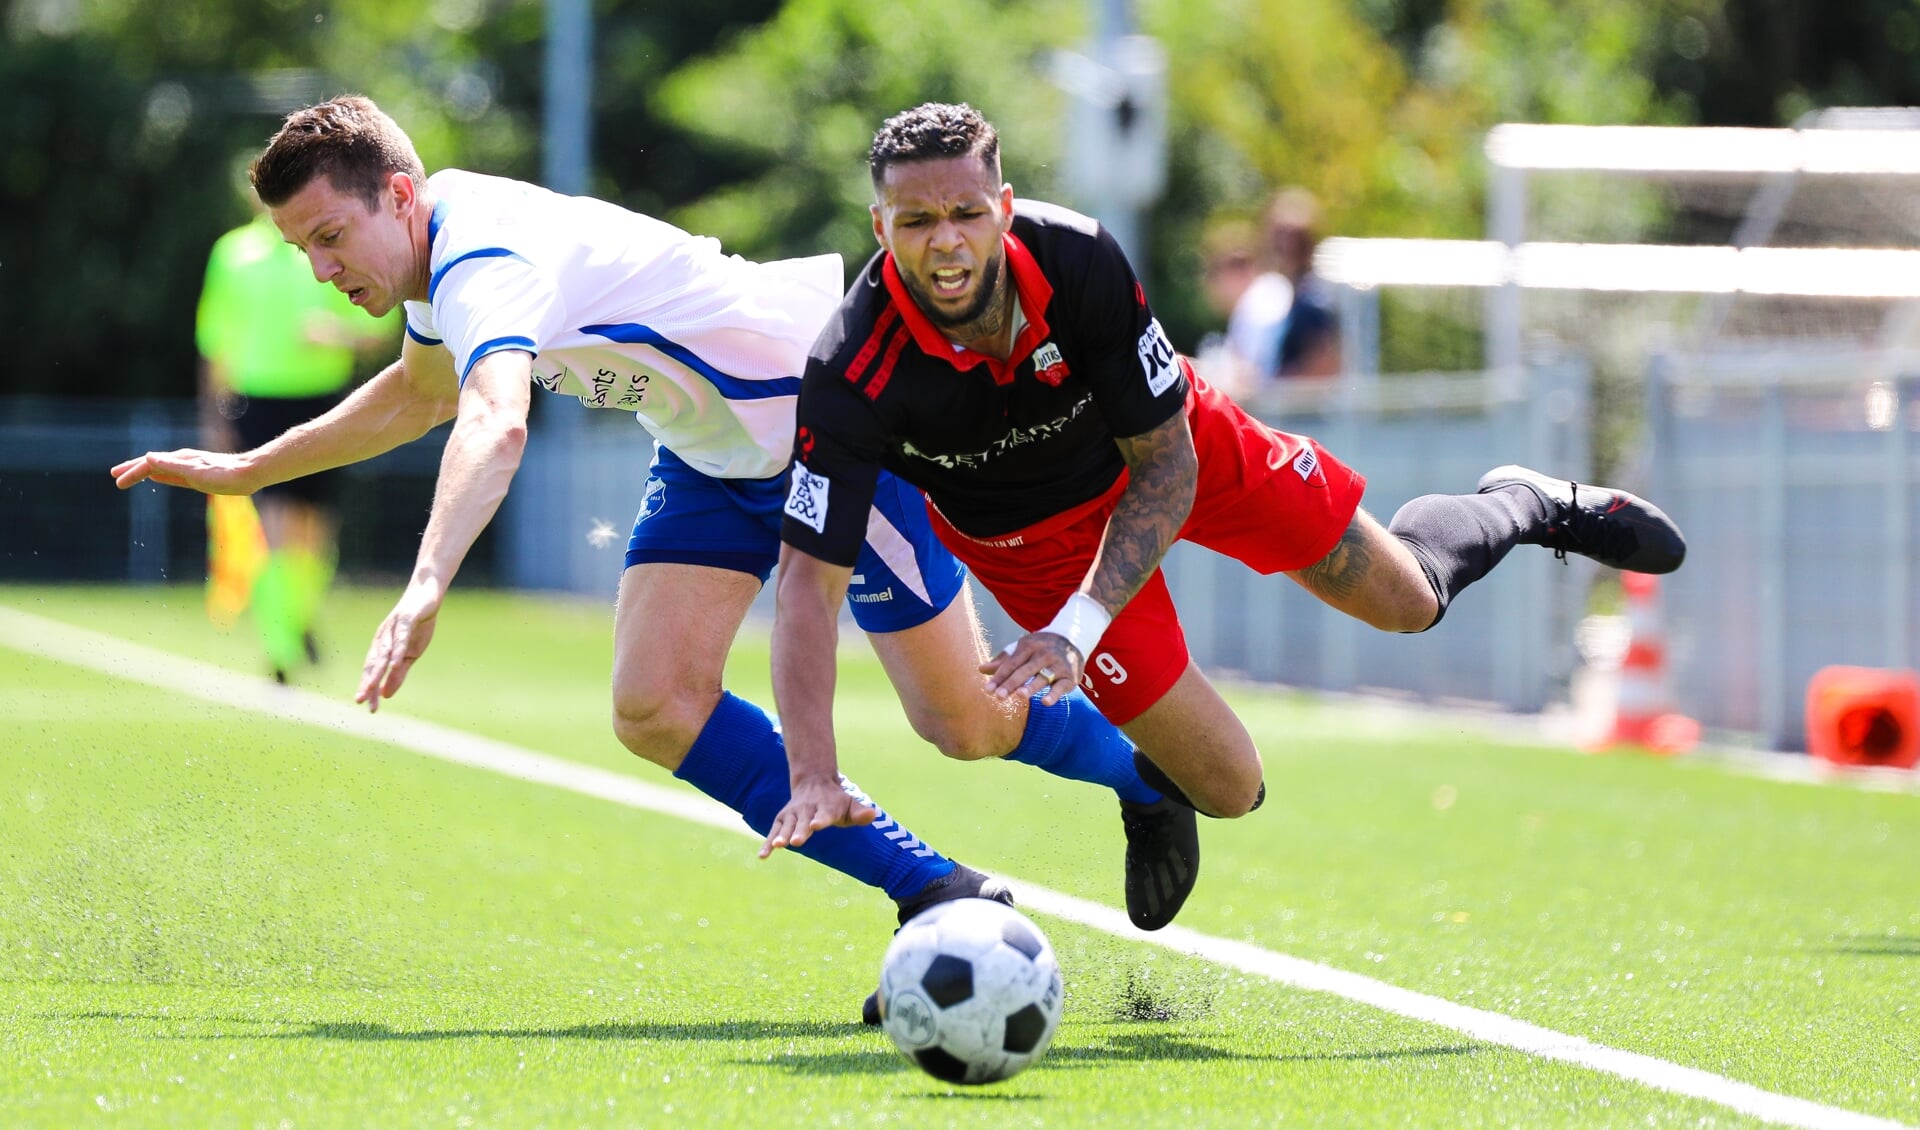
(997, 445)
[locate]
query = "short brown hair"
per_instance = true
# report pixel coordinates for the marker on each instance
(931, 130)
(347, 139)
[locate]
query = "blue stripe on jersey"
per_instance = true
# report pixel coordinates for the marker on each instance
(423, 339)
(433, 223)
(433, 283)
(733, 388)
(495, 346)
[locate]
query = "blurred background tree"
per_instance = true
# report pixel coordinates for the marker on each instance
(797, 100)
(748, 119)
(125, 125)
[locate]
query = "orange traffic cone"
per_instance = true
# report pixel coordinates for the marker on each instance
(1644, 715)
(1864, 716)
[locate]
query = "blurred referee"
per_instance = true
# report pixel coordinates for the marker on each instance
(277, 349)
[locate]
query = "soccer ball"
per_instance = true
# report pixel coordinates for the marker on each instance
(970, 991)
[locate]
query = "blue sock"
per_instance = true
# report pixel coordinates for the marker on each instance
(1072, 739)
(740, 760)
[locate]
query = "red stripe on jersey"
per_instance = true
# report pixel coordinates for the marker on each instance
(885, 372)
(1030, 284)
(865, 357)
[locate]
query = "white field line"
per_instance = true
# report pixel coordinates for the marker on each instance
(122, 659)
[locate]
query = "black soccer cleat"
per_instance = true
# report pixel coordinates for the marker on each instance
(1617, 529)
(1163, 859)
(962, 882)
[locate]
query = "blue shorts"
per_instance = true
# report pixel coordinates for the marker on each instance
(904, 576)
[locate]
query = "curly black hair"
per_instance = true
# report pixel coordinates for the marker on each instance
(930, 130)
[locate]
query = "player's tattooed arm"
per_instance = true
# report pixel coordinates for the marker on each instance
(1344, 569)
(1162, 473)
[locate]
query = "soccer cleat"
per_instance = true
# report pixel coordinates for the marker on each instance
(1163, 859)
(962, 882)
(1615, 528)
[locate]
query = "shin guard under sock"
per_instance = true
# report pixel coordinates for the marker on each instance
(740, 760)
(1073, 740)
(1459, 538)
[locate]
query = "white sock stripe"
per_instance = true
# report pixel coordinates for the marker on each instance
(847, 786)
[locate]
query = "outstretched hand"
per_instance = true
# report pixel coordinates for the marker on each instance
(210, 472)
(815, 804)
(403, 637)
(1041, 663)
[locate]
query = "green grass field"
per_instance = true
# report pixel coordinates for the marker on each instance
(211, 917)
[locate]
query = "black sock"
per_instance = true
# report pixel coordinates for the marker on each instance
(1459, 538)
(1159, 782)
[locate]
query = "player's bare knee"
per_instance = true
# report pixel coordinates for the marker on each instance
(960, 739)
(1404, 617)
(966, 727)
(658, 724)
(1407, 607)
(1227, 799)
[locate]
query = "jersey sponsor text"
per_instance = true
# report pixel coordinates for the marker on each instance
(1018, 437)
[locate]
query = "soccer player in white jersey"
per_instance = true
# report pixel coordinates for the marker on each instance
(508, 285)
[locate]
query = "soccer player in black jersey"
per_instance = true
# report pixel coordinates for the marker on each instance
(1001, 356)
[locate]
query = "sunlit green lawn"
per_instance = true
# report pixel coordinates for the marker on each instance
(211, 917)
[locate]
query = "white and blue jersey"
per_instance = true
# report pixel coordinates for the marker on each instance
(627, 312)
(706, 349)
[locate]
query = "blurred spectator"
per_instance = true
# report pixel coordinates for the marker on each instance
(277, 349)
(1308, 342)
(1281, 320)
(1252, 300)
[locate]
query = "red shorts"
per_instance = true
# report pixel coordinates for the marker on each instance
(1270, 499)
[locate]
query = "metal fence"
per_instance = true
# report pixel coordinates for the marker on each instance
(571, 509)
(566, 520)
(1508, 641)
(1792, 472)
(63, 520)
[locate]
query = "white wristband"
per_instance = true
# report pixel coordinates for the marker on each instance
(1082, 620)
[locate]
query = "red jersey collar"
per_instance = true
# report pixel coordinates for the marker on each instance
(1030, 286)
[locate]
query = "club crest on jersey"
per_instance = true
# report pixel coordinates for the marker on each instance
(1048, 365)
(653, 500)
(807, 499)
(1157, 359)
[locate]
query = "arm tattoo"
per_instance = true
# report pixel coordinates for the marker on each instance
(1163, 471)
(1341, 572)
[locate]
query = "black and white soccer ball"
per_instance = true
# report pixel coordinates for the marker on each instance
(970, 991)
